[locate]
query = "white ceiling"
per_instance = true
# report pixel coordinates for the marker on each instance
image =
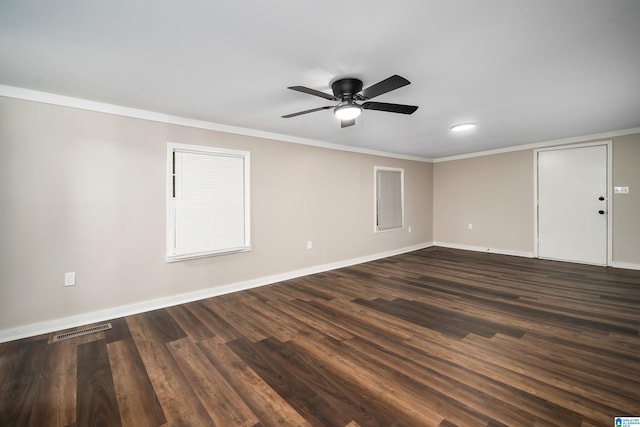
(525, 71)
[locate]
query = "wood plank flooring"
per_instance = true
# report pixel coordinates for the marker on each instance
(436, 337)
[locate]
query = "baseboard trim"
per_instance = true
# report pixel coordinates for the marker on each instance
(626, 265)
(485, 249)
(131, 309)
(614, 264)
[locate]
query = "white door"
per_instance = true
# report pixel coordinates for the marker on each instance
(572, 204)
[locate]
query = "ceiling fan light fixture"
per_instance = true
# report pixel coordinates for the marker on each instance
(347, 111)
(461, 127)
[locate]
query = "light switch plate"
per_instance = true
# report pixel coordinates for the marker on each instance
(621, 190)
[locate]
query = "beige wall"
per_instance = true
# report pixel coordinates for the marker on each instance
(495, 194)
(84, 191)
(626, 207)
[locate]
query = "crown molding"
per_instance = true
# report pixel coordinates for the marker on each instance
(119, 110)
(543, 144)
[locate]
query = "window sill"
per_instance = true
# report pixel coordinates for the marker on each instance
(186, 257)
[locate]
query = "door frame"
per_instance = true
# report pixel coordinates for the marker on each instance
(609, 145)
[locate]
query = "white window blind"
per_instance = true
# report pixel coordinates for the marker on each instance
(208, 200)
(389, 207)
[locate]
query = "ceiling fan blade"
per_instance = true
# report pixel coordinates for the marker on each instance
(313, 92)
(347, 123)
(299, 113)
(391, 108)
(392, 83)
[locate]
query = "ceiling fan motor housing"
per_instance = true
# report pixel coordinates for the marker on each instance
(346, 89)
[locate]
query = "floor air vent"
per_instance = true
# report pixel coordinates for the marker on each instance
(80, 332)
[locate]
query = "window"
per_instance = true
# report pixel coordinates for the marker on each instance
(389, 201)
(207, 201)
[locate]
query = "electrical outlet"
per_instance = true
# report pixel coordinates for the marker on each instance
(470, 226)
(409, 229)
(309, 244)
(70, 278)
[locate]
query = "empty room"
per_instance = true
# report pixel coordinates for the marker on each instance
(337, 213)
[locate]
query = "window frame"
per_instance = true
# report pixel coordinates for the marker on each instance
(376, 226)
(171, 255)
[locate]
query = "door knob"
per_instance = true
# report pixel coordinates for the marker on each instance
(601, 212)
(600, 198)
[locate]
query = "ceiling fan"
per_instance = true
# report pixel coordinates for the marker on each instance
(348, 92)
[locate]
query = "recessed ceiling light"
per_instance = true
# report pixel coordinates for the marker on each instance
(463, 127)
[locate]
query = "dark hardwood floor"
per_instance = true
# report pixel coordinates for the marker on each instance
(437, 337)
